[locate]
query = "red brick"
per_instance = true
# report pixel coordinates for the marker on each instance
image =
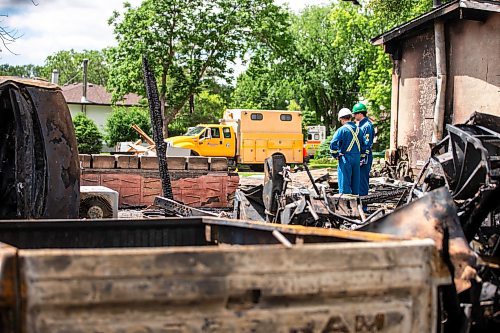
(103, 162)
(127, 162)
(130, 196)
(149, 162)
(151, 187)
(212, 190)
(90, 179)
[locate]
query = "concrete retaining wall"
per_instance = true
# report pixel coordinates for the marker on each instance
(196, 181)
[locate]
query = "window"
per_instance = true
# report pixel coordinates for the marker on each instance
(215, 132)
(192, 131)
(256, 116)
(286, 117)
(226, 131)
(316, 136)
(205, 134)
(309, 137)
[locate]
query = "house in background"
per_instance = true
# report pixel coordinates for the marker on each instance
(95, 102)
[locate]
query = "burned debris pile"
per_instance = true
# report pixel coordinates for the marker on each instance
(453, 201)
(39, 171)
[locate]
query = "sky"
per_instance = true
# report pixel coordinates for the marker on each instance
(47, 26)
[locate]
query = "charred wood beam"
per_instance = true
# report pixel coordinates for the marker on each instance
(173, 207)
(157, 123)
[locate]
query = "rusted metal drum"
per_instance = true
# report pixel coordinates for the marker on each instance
(39, 169)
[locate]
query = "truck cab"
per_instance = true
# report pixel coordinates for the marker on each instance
(207, 140)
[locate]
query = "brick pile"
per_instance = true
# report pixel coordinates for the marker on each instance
(196, 181)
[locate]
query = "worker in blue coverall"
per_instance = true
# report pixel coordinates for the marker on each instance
(366, 127)
(346, 146)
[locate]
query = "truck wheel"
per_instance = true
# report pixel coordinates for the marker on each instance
(193, 153)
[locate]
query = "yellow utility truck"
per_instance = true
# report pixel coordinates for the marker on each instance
(247, 136)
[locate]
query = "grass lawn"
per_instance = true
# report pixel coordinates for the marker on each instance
(323, 163)
(248, 173)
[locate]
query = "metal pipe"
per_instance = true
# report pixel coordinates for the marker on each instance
(311, 178)
(85, 68)
(393, 145)
(55, 77)
(439, 107)
(282, 239)
(84, 92)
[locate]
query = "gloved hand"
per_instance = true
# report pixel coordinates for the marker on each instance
(362, 160)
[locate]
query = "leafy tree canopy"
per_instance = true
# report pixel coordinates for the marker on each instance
(330, 62)
(187, 42)
(21, 70)
(69, 64)
(119, 124)
(88, 137)
(209, 108)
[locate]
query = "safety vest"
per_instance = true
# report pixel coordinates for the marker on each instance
(354, 140)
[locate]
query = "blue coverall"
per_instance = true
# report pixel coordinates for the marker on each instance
(366, 128)
(347, 145)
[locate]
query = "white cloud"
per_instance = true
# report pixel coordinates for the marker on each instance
(54, 25)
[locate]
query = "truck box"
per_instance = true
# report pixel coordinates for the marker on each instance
(247, 136)
(168, 275)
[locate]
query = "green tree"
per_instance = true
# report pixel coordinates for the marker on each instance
(119, 124)
(374, 80)
(27, 71)
(316, 69)
(396, 12)
(209, 108)
(69, 64)
(330, 62)
(186, 42)
(88, 137)
(263, 88)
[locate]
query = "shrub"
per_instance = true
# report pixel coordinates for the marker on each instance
(323, 150)
(88, 137)
(119, 124)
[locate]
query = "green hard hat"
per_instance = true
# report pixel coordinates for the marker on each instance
(359, 107)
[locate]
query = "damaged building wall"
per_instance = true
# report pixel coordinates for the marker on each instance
(417, 94)
(472, 73)
(474, 80)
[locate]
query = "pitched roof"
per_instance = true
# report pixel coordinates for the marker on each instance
(464, 8)
(96, 95)
(28, 82)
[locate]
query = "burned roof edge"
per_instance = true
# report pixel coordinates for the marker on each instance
(28, 82)
(447, 8)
